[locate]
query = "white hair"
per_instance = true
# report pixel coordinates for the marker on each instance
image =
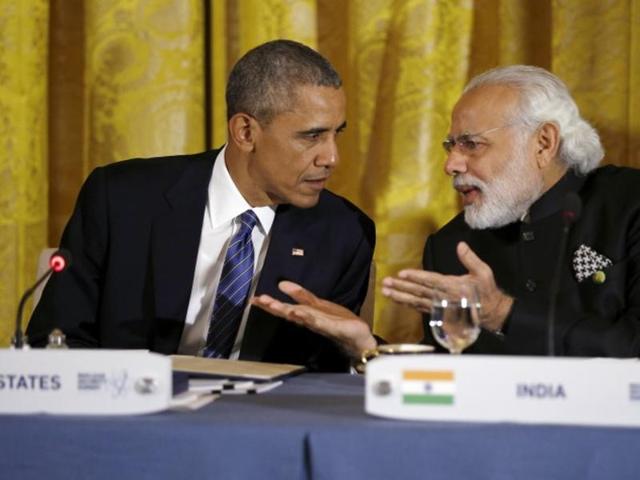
(545, 98)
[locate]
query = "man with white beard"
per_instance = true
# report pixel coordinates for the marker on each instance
(516, 148)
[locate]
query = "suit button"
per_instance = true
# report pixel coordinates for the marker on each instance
(528, 236)
(531, 285)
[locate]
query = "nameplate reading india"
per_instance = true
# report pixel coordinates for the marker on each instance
(478, 388)
(94, 382)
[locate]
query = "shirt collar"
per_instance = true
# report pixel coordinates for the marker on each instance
(552, 200)
(226, 202)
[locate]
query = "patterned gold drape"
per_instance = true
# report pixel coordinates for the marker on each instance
(87, 82)
(405, 65)
(23, 149)
(126, 80)
(594, 46)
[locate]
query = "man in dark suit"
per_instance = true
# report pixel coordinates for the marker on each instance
(159, 244)
(517, 147)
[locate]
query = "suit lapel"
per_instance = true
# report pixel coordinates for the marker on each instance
(175, 240)
(288, 232)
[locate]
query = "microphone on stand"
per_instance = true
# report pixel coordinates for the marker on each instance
(571, 208)
(59, 261)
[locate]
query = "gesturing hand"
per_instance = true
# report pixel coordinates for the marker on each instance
(321, 316)
(415, 288)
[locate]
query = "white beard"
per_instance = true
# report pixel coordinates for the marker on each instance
(506, 198)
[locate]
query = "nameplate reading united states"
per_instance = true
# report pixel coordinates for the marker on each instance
(84, 382)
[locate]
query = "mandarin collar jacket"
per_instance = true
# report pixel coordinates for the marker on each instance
(593, 317)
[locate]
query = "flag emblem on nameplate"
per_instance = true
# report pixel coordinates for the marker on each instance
(297, 252)
(428, 387)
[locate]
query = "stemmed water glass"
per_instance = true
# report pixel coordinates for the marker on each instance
(455, 315)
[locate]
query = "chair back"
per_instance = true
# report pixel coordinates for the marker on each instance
(43, 266)
(366, 311)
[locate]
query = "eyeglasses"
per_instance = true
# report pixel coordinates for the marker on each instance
(468, 143)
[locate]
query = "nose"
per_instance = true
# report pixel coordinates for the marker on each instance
(456, 163)
(328, 157)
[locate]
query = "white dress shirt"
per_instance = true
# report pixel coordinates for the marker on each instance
(224, 204)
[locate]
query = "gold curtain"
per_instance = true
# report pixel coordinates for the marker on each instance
(596, 49)
(405, 64)
(593, 45)
(126, 80)
(23, 149)
(87, 82)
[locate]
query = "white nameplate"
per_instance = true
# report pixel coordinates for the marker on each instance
(477, 388)
(95, 382)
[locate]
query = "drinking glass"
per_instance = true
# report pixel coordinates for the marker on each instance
(455, 317)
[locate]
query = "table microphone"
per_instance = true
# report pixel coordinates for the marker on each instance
(59, 261)
(571, 208)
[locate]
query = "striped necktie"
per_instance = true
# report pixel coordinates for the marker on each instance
(233, 290)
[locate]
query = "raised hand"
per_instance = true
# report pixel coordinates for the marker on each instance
(321, 316)
(414, 288)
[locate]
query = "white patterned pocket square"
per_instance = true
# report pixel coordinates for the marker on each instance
(587, 262)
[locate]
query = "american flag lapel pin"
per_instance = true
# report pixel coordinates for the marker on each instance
(297, 252)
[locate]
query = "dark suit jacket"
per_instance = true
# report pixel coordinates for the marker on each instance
(591, 319)
(134, 239)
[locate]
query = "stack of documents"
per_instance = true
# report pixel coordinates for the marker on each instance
(208, 378)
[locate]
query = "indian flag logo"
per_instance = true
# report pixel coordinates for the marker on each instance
(431, 387)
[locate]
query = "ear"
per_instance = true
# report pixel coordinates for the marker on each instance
(243, 131)
(547, 143)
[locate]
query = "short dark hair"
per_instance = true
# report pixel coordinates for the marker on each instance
(262, 83)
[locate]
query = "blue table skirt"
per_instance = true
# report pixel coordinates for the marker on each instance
(314, 427)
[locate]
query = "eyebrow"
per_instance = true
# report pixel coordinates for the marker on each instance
(464, 135)
(313, 131)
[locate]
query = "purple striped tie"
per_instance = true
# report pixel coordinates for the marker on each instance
(233, 290)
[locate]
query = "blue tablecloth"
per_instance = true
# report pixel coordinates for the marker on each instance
(315, 427)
